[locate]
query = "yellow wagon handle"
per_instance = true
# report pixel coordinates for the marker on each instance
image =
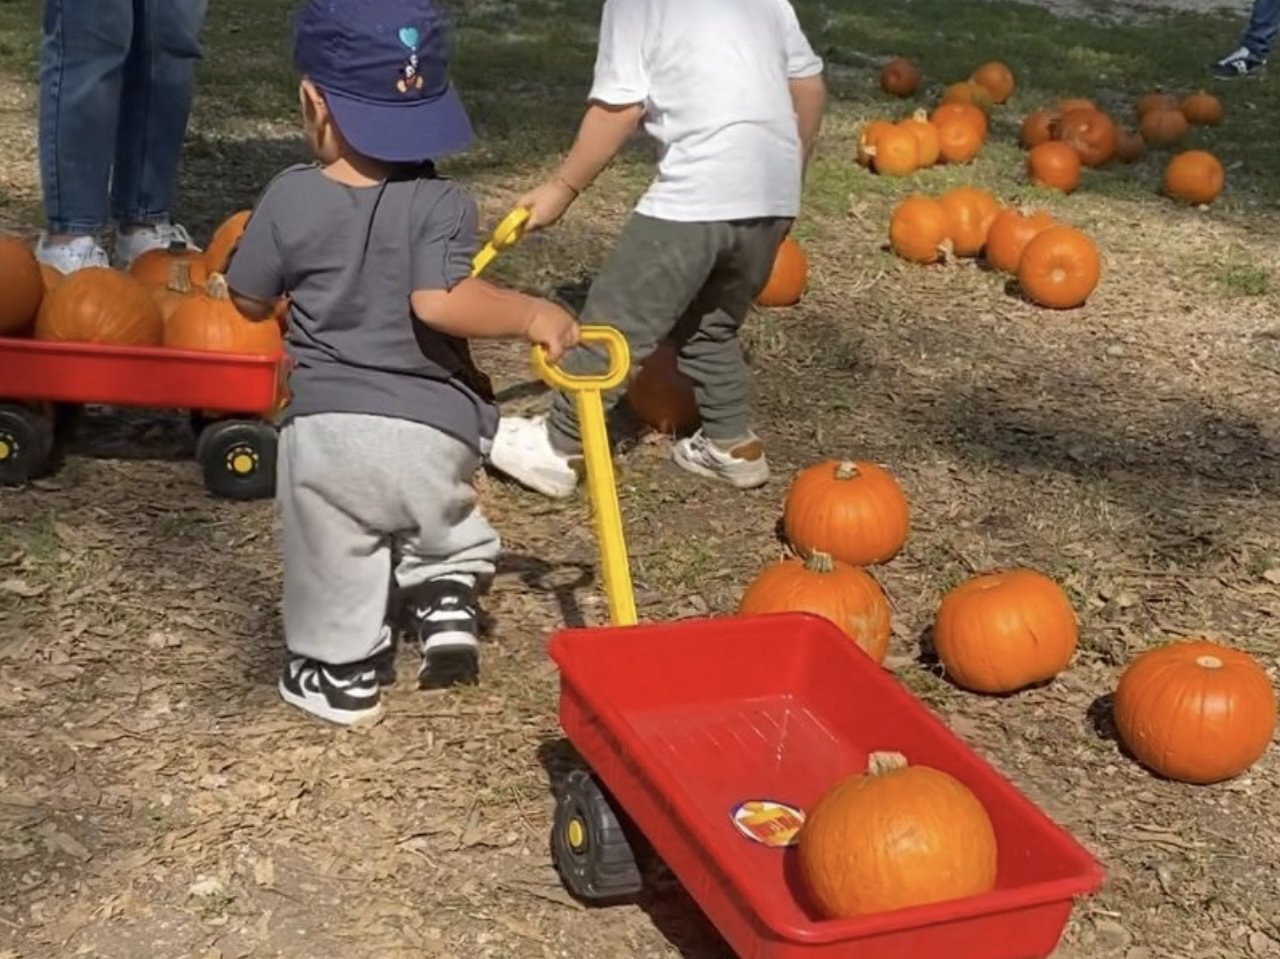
(507, 235)
(601, 488)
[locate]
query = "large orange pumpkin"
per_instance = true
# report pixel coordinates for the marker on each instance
(996, 78)
(155, 267)
(1202, 109)
(1054, 165)
(1130, 146)
(1154, 101)
(867, 137)
(926, 135)
(100, 305)
(1009, 235)
(1195, 711)
(1091, 133)
(1060, 268)
(210, 323)
(22, 285)
(898, 836)
(853, 511)
(1164, 128)
(789, 277)
(970, 212)
(899, 77)
(225, 237)
(1194, 176)
(846, 595)
(1038, 127)
(896, 152)
(661, 396)
(919, 229)
(961, 110)
(1001, 632)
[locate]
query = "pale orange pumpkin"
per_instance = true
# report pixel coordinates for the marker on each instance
(996, 78)
(899, 77)
(961, 110)
(661, 396)
(845, 595)
(1060, 268)
(1194, 176)
(22, 284)
(209, 322)
(51, 275)
(918, 230)
(1195, 711)
(1065, 106)
(100, 305)
(1154, 101)
(896, 152)
(1091, 133)
(1163, 128)
(970, 212)
(926, 135)
(1202, 109)
(1001, 632)
(897, 836)
(1130, 146)
(1038, 127)
(853, 511)
(225, 238)
(867, 139)
(789, 277)
(1009, 235)
(1054, 165)
(968, 92)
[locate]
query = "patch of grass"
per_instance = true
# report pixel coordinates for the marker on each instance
(1239, 276)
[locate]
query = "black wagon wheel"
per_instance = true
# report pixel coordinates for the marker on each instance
(238, 458)
(589, 844)
(26, 442)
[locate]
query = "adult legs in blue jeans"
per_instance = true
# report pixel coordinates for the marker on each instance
(116, 84)
(1250, 57)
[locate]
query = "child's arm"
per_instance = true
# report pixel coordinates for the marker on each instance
(804, 75)
(255, 275)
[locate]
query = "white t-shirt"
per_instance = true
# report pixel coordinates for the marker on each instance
(712, 75)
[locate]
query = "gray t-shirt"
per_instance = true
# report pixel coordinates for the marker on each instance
(349, 258)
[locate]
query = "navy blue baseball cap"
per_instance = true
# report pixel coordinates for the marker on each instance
(383, 66)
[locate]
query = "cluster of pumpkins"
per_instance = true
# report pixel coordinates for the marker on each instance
(175, 298)
(1193, 711)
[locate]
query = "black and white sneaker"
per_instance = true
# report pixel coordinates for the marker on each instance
(446, 620)
(1238, 63)
(348, 695)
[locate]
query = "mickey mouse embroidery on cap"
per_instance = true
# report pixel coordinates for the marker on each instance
(410, 78)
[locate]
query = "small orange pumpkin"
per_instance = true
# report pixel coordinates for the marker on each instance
(846, 595)
(51, 275)
(1154, 101)
(22, 284)
(209, 322)
(789, 277)
(1194, 176)
(968, 92)
(959, 141)
(1091, 133)
(1009, 235)
(1038, 127)
(899, 77)
(1130, 147)
(1075, 103)
(961, 110)
(896, 152)
(926, 135)
(867, 139)
(97, 304)
(1195, 711)
(853, 511)
(1060, 268)
(970, 213)
(154, 268)
(996, 78)
(1164, 128)
(225, 237)
(1202, 109)
(661, 396)
(918, 230)
(1054, 165)
(1001, 632)
(898, 836)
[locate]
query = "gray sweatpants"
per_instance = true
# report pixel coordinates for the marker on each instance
(691, 284)
(359, 494)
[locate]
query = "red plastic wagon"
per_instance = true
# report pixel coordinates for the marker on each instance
(707, 739)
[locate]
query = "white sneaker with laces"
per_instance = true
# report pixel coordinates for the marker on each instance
(156, 236)
(83, 251)
(743, 467)
(522, 450)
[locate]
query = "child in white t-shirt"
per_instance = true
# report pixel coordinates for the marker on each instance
(734, 95)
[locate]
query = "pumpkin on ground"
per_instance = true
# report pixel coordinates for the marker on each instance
(959, 141)
(996, 78)
(1001, 632)
(1075, 103)
(970, 213)
(896, 152)
(1009, 235)
(1038, 127)
(867, 139)
(1091, 133)
(926, 135)
(1195, 711)
(853, 511)
(154, 268)
(1054, 165)
(209, 322)
(661, 396)
(1202, 109)
(1194, 176)
(919, 230)
(960, 110)
(218, 255)
(846, 595)
(100, 305)
(968, 92)
(1060, 268)
(23, 285)
(1130, 146)
(1154, 101)
(1164, 128)
(897, 836)
(899, 77)
(789, 277)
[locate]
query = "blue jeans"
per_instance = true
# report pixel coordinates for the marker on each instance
(1264, 22)
(116, 82)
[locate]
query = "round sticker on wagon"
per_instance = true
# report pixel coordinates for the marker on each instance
(769, 823)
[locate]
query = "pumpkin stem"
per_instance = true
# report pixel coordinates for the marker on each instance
(820, 562)
(921, 115)
(880, 763)
(1209, 662)
(847, 470)
(216, 287)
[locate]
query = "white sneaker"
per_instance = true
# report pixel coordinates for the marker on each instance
(156, 236)
(83, 251)
(522, 450)
(743, 467)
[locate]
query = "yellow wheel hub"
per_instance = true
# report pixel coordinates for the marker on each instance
(7, 448)
(576, 834)
(242, 461)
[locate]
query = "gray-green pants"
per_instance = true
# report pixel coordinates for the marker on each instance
(691, 284)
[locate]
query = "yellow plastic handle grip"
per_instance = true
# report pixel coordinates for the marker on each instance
(507, 235)
(615, 345)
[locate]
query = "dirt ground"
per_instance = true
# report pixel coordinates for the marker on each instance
(157, 799)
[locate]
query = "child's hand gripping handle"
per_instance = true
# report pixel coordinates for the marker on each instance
(586, 390)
